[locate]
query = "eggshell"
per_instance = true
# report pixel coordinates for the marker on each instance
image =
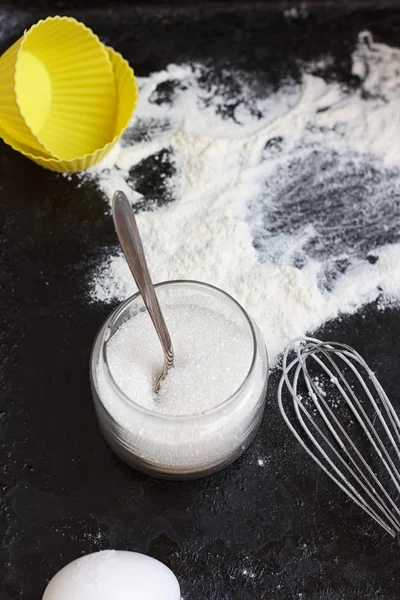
(116, 575)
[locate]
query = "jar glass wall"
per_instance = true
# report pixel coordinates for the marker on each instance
(180, 446)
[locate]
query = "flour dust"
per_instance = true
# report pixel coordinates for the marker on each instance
(288, 199)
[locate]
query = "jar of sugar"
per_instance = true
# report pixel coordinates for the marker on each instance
(210, 404)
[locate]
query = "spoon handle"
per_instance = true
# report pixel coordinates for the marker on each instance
(131, 244)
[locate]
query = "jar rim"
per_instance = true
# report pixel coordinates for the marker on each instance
(100, 341)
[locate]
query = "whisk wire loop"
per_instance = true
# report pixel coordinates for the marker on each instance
(327, 439)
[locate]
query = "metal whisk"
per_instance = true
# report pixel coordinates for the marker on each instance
(338, 411)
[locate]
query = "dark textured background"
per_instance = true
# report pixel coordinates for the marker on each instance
(275, 532)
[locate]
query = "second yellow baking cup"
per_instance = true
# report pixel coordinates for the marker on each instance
(64, 97)
(127, 93)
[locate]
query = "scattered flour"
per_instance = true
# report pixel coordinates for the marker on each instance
(288, 200)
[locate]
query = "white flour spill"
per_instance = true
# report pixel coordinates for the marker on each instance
(288, 200)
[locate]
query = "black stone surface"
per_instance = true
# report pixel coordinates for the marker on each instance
(278, 531)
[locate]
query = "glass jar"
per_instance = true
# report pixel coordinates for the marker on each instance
(180, 446)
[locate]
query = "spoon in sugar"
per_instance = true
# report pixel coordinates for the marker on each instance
(131, 244)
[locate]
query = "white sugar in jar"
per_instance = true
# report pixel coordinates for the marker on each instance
(210, 404)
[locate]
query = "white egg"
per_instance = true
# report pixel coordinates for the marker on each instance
(114, 575)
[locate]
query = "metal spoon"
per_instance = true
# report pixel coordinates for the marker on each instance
(131, 244)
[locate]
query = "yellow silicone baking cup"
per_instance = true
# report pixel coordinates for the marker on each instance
(64, 97)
